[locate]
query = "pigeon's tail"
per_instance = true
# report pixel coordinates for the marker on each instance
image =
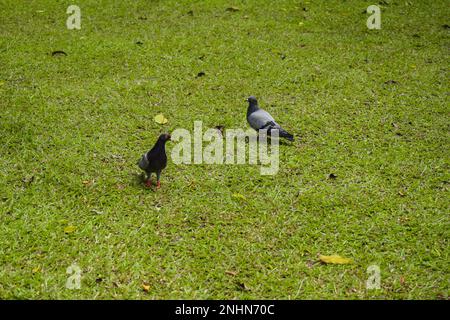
(282, 133)
(287, 135)
(272, 126)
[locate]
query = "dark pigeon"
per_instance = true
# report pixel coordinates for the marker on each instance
(155, 160)
(260, 119)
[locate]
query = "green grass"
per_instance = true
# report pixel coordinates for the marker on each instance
(88, 117)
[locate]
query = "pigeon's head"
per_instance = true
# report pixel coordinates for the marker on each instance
(164, 137)
(252, 100)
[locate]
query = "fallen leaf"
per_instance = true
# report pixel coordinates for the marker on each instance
(239, 196)
(243, 286)
(231, 273)
(145, 287)
(70, 229)
(334, 259)
(232, 9)
(58, 53)
(160, 119)
(88, 183)
(36, 270)
(401, 194)
(402, 280)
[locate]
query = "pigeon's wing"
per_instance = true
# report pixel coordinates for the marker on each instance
(143, 163)
(259, 119)
(157, 159)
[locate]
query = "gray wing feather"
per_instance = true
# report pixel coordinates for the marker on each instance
(259, 118)
(143, 163)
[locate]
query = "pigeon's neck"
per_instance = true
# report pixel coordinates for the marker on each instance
(252, 107)
(160, 144)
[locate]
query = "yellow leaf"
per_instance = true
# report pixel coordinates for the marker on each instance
(70, 229)
(88, 183)
(335, 259)
(160, 119)
(36, 270)
(146, 287)
(239, 196)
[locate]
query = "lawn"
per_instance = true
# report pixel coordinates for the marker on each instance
(367, 177)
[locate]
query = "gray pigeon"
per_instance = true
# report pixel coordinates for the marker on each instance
(155, 160)
(260, 119)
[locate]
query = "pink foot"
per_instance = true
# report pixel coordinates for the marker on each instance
(158, 185)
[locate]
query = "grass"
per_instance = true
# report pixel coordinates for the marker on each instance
(370, 106)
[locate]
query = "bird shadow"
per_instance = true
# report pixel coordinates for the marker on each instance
(138, 181)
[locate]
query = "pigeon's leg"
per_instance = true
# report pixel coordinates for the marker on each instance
(158, 184)
(148, 182)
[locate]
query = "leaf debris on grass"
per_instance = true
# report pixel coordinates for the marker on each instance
(70, 229)
(160, 119)
(334, 259)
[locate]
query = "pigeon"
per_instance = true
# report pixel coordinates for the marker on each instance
(155, 160)
(260, 119)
